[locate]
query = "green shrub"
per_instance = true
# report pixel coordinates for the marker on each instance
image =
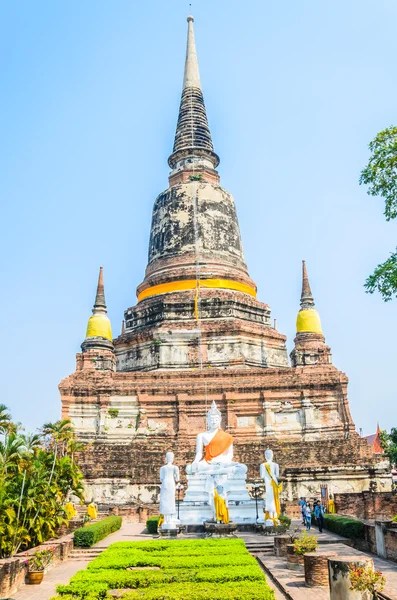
(124, 560)
(119, 579)
(195, 569)
(305, 543)
(344, 526)
(151, 524)
(157, 545)
(90, 534)
(84, 589)
(204, 591)
(284, 520)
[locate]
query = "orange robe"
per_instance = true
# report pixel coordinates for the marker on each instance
(219, 443)
(221, 511)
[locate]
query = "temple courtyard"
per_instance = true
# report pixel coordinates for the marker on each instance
(285, 583)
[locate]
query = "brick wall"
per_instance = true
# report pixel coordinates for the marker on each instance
(14, 570)
(136, 513)
(367, 505)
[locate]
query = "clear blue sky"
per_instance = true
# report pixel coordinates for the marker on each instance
(88, 107)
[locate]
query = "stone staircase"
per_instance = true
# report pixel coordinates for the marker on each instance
(86, 554)
(262, 546)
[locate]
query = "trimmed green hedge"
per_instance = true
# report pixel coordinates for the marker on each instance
(344, 526)
(203, 591)
(124, 560)
(171, 545)
(119, 579)
(195, 569)
(284, 520)
(87, 536)
(152, 523)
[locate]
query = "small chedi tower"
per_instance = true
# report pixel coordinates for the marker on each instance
(310, 348)
(198, 334)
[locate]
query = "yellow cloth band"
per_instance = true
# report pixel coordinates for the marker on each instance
(308, 321)
(99, 326)
(191, 284)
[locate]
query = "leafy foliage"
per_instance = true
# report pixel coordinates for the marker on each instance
(152, 524)
(186, 572)
(305, 543)
(388, 441)
(349, 528)
(40, 559)
(37, 474)
(381, 177)
(87, 536)
(284, 520)
(366, 579)
(384, 279)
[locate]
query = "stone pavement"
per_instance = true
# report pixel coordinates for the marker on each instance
(65, 570)
(292, 582)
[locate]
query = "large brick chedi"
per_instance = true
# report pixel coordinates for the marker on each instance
(198, 333)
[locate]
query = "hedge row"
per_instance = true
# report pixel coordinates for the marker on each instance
(124, 560)
(203, 591)
(87, 536)
(195, 569)
(230, 544)
(344, 526)
(248, 590)
(119, 579)
(152, 524)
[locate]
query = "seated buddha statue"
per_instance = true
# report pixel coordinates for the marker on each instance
(214, 449)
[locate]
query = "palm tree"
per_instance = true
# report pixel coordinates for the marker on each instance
(74, 446)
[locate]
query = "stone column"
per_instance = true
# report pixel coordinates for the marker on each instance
(316, 568)
(339, 577)
(268, 418)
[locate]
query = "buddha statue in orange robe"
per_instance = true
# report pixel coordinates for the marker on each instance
(214, 448)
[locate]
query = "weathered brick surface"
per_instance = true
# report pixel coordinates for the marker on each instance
(13, 570)
(368, 506)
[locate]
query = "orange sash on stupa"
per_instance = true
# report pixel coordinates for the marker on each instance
(219, 443)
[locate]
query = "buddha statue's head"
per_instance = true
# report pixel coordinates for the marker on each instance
(269, 455)
(213, 417)
(169, 457)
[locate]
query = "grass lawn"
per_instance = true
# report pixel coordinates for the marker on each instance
(214, 569)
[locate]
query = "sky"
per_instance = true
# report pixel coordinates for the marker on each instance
(89, 96)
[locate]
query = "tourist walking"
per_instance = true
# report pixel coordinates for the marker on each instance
(302, 504)
(308, 517)
(319, 514)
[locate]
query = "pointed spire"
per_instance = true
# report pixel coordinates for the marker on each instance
(308, 320)
(100, 303)
(193, 136)
(192, 74)
(99, 324)
(307, 300)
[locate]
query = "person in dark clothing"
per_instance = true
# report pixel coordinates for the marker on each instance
(319, 514)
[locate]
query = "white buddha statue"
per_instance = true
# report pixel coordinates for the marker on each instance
(169, 476)
(270, 473)
(214, 449)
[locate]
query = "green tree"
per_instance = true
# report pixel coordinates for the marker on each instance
(388, 441)
(37, 474)
(381, 177)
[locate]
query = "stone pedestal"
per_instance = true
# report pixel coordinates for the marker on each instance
(280, 544)
(220, 529)
(196, 513)
(197, 505)
(316, 568)
(339, 577)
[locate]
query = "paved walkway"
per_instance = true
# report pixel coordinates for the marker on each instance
(293, 582)
(64, 571)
